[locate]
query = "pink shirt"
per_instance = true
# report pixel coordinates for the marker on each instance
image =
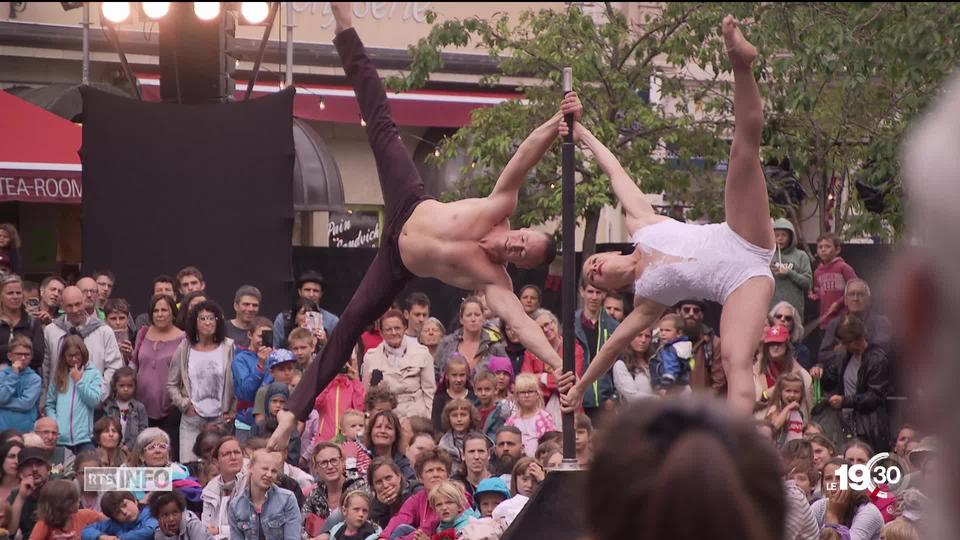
(532, 428)
(153, 360)
(829, 281)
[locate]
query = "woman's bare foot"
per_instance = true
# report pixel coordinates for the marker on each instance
(343, 14)
(286, 423)
(740, 51)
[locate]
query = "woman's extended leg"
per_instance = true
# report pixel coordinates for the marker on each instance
(741, 324)
(745, 196)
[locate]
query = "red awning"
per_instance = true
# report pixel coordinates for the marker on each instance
(38, 154)
(331, 103)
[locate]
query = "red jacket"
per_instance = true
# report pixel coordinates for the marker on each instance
(532, 364)
(341, 394)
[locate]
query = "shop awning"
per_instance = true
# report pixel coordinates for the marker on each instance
(331, 103)
(38, 154)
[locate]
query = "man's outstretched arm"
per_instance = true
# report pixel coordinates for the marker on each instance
(528, 154)
(507, 306)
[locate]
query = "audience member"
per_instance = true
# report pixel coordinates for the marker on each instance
(403, 367)
(390, 489)
(33, 469)
(75, 391)
(107, 438)
(89, 499)
(175, 522)
(124, 519)
(508, 449)
(310, 286)
(592, 328)
(847, 507)
(546, 380)
(707, 372)
(260, 502)
(830, 278)
(382, 438)
(122, 405)
(19, 387)
(58, 512)
(857, 300)
(470, 340)
(493, 411)
(530, 298)
(530, 418)
(784, 314)
(790, 267)
(14, 320)
(455, 383)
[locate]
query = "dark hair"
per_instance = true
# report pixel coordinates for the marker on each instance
(805, 467)
(20, 340)
(210, 430)
(106, 273)
(549, 250)
(61, 374)
(90, 456)
(476, 436)
(171, 303)
(289, 484)
(551, 436)
(160, 499)
(124, 371)
(163, 278)
(56, 503)
(30, 286)
(796, 449)
(416, 299)
(116, 305)
(456, 404)
(519, 469)
(583, 422)
(509, 429)
(5, 449)
(469, 300)
(224, 440)
(831, 237)
(824, 442)
(858, 498)
(435, 454)
(189, 271)
(546, 450)
(394, 421)
(290, 322)
(102, 424)
(184, 311)
(49, 279)
(112, 500)
(654, 452)
(247, 290)
(384, 462)
(858, 443)
(394, 313)
(191, 329)
(533, 287)
(850, 329)
(379, 393)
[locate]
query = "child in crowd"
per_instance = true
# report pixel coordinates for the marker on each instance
(73, 395)
(19, 386)
(765, 429)
(276, 395)
(250, 373)
(805, 476)
(493, 411)
(125, 520)
(454, 384)
(670, 366)
(116, 312)
(122, 405)
(89, 500)
(502, 369)
(379, 399)
(459, 418)
(58, 512)
(584, 440)
(490, 492)
(280, 363)
(303, 344)
(531, 418)
(344, 392)
(348, 437)
(175, 522)
(789, 409)
(10, 246)
(899, 529)
(549, 455)
(450, 505)
(830, 278)
(355, 525)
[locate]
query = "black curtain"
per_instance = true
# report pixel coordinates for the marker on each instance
(166, 186)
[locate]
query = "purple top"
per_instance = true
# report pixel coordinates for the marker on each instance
(154, 367)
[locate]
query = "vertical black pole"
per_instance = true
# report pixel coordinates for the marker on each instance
(568, 285)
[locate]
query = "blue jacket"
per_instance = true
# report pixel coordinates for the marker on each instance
(141, 529)
(668, 356)
(328, 319)
(280, 518)
(74, 408)
(19, 395)
(603, 389)
(247, 379)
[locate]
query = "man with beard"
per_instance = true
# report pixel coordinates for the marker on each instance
(707, 371)
(508, 448)
(33, 470)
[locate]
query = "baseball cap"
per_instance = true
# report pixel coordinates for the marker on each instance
(279, 356)
(32, 454)
(776, 334)
(492, 485)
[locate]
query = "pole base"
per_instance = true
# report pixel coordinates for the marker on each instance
(556, 509)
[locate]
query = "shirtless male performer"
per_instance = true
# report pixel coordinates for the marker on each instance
(725, 262)
(466, 244)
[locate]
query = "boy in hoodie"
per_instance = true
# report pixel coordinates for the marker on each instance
(671, 365)
(175, 521)
(249, 374)
(126, 520)
(830, 279)
(790, 267)
(19, 387)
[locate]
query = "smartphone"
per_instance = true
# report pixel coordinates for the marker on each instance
(266, 338)
(313, 320)
(33, 306)
(122, 335)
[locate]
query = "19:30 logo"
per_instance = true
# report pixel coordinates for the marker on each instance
(883, 469)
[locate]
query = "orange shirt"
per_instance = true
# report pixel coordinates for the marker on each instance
(73, 529)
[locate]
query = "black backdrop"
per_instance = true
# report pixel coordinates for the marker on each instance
(166, 186)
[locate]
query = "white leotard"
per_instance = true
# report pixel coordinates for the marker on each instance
(696, 261)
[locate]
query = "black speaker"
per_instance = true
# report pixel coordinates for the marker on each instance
(194, 66)
(555, 511)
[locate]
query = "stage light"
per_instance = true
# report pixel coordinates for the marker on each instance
(206, 11)
(322, 104)
(254, 12)
(115, 12)
(156, 10)
(436, 152)
(363, 123)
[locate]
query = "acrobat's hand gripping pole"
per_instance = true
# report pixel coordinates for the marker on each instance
(568, 282)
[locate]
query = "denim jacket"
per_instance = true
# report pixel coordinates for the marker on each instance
(279, 518)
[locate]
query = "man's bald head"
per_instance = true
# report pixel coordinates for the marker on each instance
(46, 428)
(74, 305)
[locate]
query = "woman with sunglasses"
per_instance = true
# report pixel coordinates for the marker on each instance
(788, 317)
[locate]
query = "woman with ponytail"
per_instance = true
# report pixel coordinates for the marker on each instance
(685, 470)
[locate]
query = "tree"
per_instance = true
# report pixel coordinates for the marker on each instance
(613, 63)
(843, 81)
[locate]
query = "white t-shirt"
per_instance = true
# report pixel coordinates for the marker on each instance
(207, 377)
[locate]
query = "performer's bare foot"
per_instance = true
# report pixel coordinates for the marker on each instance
(286, 423)
(343, 14)
(740, 51)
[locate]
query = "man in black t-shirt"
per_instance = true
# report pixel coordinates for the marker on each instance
(33, 469)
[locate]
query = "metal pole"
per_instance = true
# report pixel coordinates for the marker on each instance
(289, 43)
(85, 74)
(569, 286)
(274, 8)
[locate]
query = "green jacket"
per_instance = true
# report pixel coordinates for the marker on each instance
(792, 286)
